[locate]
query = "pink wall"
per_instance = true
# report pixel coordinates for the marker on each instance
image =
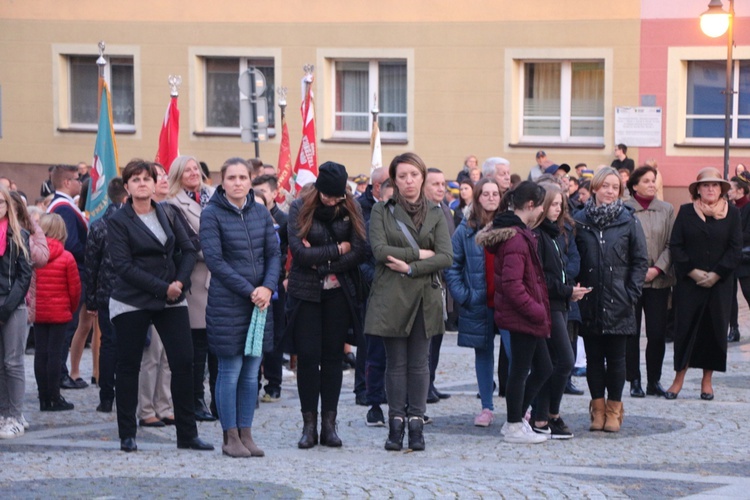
(686, 9)
(656, 36)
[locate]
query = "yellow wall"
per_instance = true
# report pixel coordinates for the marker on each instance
(459, 103)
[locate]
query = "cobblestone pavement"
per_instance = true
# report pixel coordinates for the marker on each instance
(682, 448)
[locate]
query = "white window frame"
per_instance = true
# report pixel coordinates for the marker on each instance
(198, 75)
(61, 74)
(373, 75)
(565, 118)
(325, 92)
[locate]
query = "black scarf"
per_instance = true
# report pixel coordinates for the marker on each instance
(603, 215)
(326, 214)
(549, 227)
(507, 219)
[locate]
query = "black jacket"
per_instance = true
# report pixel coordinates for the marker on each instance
(15, 275)
(144, 267)
(311, 265)
(552, 248)
(100, 274)
(366, 202)
(614, 262)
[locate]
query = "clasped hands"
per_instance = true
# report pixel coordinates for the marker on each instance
(703, 278)
(400, 266)
(261, 297)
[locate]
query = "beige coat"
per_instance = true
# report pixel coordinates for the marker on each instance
(200, 277)
(657, 221)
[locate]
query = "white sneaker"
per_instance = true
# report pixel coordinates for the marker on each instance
(24, 422)
(504, 428)
(518, 433)
(11, 429)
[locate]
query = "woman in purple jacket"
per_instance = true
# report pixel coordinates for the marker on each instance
(521, 303)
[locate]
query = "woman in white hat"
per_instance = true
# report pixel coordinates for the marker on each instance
(706, 247)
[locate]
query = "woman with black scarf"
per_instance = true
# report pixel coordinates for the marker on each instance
(327, 240)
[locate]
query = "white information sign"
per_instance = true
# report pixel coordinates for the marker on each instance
(638, 126)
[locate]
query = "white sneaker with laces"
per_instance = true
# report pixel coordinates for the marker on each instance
(11, 429)
(24, 422)
(518, 433)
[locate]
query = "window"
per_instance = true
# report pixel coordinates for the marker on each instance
(563, 101)
(83, 88)
(705, 106)
(222, 102)
(357, 83)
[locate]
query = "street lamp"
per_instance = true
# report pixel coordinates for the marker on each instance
(714, 23)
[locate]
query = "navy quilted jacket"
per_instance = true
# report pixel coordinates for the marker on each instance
(242, 253)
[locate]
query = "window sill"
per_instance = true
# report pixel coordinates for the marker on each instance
(352, 140)
(558, 145)
(217, 133)
(711, 146)
(76, 130)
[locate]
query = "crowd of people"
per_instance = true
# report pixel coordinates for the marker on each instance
(186, 283)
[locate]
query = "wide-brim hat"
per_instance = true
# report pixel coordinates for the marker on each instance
(708, 174)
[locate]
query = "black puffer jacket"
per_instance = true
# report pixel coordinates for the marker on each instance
(614, 262)
(15, 275)
(311, 265)
(100, 273)
(552, 254)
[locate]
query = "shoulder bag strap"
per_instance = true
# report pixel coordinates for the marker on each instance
(405, 230)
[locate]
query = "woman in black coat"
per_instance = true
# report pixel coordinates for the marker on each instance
(152, 260)
(706, 249)
(614, 261)
(328, 242)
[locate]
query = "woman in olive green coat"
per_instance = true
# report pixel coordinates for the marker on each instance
(410, 241)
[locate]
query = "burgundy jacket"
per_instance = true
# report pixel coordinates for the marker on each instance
(58, 287)
(521, 299)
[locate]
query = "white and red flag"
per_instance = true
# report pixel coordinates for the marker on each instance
(306, 166)
(169, 136)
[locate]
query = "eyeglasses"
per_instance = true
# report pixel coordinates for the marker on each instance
(337, 199)
(164, 177)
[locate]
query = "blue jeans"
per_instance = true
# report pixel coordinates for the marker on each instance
(484, 363)
(237, 391)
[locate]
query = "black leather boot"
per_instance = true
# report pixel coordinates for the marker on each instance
(396, 434)
(636, 391)
(201, 411)
(309, 430)
(416, 437)
(328, 436)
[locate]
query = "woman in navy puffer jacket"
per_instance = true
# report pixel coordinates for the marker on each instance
(241, 251)
(471, 282)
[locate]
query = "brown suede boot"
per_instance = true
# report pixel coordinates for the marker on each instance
(233, 446)
(328, 436)
(309, 430)
(246, 436)
(597, 411)
(614, 415)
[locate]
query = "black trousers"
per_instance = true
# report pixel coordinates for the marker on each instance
(563, 360)
(653, 304)
(49, 341)
(200, 355)
(605, 365)
(319, 337)
(107, 355)
(745, 286)
(273, 361)
(527, 353)
(173, 326)
(435, 342)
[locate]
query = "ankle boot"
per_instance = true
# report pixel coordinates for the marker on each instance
(396, 434)
(43, 404)
(328, 436)
(636, 391)
(597, 411)
(614, 413)
(233, 446)
(309, 430)
(246, 436)
(416, 437)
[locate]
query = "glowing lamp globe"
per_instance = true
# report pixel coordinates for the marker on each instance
(715, 21)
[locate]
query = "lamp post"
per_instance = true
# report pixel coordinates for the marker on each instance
(714, 23)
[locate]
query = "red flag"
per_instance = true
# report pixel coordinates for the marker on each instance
(169, 136)
(285, 163)
(306, 166)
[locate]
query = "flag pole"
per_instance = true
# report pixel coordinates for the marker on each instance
(101, 62)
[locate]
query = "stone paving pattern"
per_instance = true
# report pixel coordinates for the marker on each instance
(666, 449)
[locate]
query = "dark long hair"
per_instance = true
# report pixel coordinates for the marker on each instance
(479, 217)
(523, 193)
(311, 201)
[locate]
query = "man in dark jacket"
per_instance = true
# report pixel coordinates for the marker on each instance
(434, 190)
(273, 361)
(100, 276)
(372, 194)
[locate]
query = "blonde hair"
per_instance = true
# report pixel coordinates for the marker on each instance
(602, 174)
(175, 174)
(13, 223)
(54, 227)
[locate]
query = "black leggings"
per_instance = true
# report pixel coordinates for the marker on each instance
(605, 365)
(526, 353)
(319, 337)
(563, 360)
(48, 346)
